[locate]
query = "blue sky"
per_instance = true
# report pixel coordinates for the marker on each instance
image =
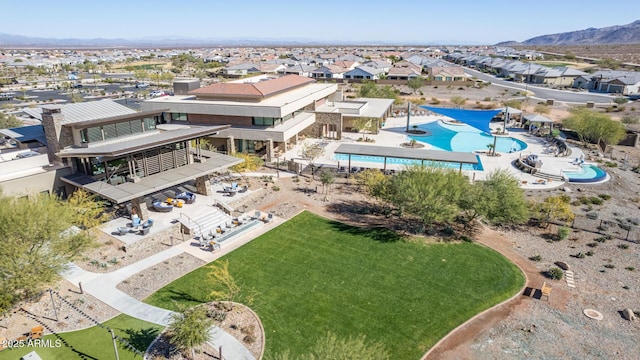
(399, 21)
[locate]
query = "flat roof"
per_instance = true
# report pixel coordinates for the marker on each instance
(84, 111)
(154, 183)
(133, 143)
(407, 153)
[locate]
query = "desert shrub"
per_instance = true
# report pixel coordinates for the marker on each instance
(623, 246)
(563, 232)
(592, 245)
(555, 273)
(600, 239)
(580, 255)
(604, 196)
(630, 268)
(610, 164)
(590, 253)
(565, 198)
(275, 188)
(596, 200)
(535, 258)
(609, 266)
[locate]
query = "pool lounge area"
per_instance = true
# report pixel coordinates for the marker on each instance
(588, 173)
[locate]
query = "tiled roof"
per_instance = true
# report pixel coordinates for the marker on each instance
(260, 89)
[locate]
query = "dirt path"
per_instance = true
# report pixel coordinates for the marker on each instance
(456, 345)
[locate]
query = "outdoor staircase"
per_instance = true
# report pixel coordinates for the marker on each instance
(206, 223)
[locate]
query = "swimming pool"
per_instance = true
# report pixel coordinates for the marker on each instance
(464, 138)
(397, 161)
(589, 173)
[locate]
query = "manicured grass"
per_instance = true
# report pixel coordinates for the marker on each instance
(93, 343)
(312, 275)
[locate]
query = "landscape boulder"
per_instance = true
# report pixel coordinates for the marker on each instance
(628, 314)
(562, 265)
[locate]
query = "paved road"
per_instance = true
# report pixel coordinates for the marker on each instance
(544, 93)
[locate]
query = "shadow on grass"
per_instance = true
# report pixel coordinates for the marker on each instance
(141, 339)
(376, 233)
(182, 298)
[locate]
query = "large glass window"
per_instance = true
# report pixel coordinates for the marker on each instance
(178, 117)
(110, 131)
(149, 123)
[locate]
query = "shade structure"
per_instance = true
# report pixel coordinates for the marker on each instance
(478, 119)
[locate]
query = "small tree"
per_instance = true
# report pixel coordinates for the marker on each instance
(592, 126)
(190, 329)
(311, 153)
(327, 178)
(225, 287)
(251, 162)
(9, 121)
(415, 83)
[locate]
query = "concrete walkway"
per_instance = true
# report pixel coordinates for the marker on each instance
(103, 287)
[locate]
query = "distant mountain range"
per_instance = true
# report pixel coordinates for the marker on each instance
(10, 40)
(619, 34)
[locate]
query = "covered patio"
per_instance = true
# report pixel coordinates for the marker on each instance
(420, 155)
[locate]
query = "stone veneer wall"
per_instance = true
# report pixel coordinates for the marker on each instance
(58, 136)
(315, 130)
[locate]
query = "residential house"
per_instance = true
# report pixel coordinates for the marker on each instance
(364, 73)
(611, 81)
(240, 70)
(447, 74)
(404, 70)
(557, 76)
(328, 72)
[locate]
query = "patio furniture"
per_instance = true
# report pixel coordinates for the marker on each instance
(135, 221)
(123, 230)
(161, 207)
(243, 189)
(188, 197)
(257, 214)
(175, 202)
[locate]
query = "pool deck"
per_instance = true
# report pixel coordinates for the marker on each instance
(393, 134)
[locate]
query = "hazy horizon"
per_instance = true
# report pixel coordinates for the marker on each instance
(384, 22)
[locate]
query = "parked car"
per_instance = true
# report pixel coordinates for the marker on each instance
(156, 93)
(142, 85)
(6, 96)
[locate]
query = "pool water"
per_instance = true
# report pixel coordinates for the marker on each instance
(397, 161)
(588, 173)
(464, 138)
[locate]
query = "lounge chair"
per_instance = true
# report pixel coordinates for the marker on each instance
(136, 221)
(243, 189)
(161, 206)
(188, 197)
(123, 230)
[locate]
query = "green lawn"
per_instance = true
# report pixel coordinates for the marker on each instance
(93, 343)
(314, 275)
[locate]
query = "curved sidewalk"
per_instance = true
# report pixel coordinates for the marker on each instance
(103, 288)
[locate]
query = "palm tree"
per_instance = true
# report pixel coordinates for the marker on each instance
(190, 329)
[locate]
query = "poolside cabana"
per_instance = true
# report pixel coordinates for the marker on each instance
(421, 155)
(539, 119)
